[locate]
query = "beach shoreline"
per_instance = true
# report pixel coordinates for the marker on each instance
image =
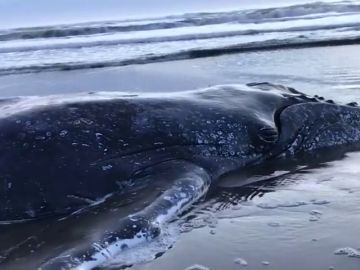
(302, 68)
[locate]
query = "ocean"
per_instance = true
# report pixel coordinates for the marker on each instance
(113, 43)
(300, 215)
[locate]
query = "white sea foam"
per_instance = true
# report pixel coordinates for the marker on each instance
(101, 44)
(147, 251)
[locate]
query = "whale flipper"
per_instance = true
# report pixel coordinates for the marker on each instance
(189, 182)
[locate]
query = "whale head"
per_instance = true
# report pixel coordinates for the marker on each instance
(306, 124)
(267, 121)
(314, 125)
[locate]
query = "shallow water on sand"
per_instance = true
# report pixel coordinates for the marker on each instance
(289, 215)
(295, 220)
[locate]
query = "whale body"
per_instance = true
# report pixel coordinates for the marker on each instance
(60, 154)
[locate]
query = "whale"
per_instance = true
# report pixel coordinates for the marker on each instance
(63, 153)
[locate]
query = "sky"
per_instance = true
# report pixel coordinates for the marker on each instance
(21, 13)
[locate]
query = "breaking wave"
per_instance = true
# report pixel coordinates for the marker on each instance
(117, 43)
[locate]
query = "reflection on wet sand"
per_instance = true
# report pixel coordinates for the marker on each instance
(309, 186)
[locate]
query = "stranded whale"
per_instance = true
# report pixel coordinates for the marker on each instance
(62, 153)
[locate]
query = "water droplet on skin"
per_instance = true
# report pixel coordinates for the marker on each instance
(106, 167)
(77, 122)
(63, 133)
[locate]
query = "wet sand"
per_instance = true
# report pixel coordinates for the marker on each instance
(327, 71)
